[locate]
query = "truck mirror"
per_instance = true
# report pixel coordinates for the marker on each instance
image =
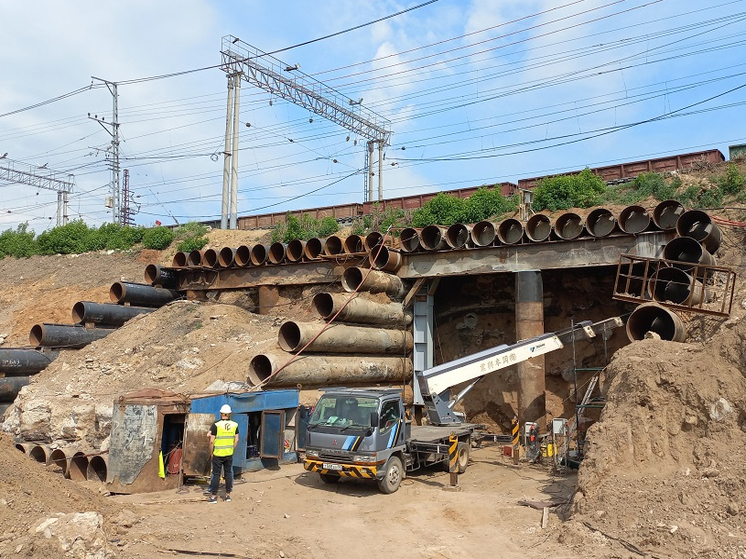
(374, 419)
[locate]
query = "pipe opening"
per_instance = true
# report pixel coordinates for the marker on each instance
(510, 231)
(180, 260)
(151, 274)
(276, 253)
(243, 256)
(260, 368)
(568, 226)
(432, 237)
(194, 258)
(258, 255)
(324, 304)
(698, 225)
(39, 453)
(294, 250)
(36, 335)
(226, 257)
(78, 467)
(373, 239)
(601, 222)
(333, 246)
(210, 258)
(666, 214)
(483, 233)
(634, 219)
(457, 235)
(97, 469)
(79, 311)
(538, 228)
(352, 278)
(409, 239)
(59, 459)
(652, 317)
(117, 291)
(313, 248)
(354, 244)
(289, 336)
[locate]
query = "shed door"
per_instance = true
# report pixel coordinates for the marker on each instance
(273, 434)
(196, 459)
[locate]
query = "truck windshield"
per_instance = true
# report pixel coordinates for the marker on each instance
(343, 411)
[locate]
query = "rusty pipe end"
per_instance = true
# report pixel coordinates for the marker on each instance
(226, 257)
(151, 273)
(277, 253)
(40, 453)
(78, 313)
(294, 250)
(324, 304)
(432, 237)
(568, 226)
(352, 278)
(483, 233)
(601, 223)
(699, 225)
(634, 220)
(409, 239)
(78, 466)
(289, 336)
(117, 291)
(97, 468)
(195, 258)
(36, 335)
(313, 248)
(332, 245)
(210, 258)
(538, 228)
(258, 255)
(243, 256)
(666, 214)
(652, 317)
(260, 369)
(372, 240)
(457, 235)
(180, 260)
(59, 458)
(510, 231)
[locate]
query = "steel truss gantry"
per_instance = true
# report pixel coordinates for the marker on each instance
(32, 175)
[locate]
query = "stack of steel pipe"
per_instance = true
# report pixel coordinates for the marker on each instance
(698, 225)
(17, 365)
(355, 278)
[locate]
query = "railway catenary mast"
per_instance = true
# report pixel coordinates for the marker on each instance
(239, 60)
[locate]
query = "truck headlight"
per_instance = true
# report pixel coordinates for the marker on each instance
(363, 457)
(312, 453)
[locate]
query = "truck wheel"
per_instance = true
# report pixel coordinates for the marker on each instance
(329, 478)
(462, 460)
(392, 476)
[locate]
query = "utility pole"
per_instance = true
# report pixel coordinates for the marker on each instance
(40, 177)
(128, 219)
(113, 130)
(227, 157)
(239, 60)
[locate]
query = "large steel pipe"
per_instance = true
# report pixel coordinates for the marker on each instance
(698, 225)
(243, 256)
(63, 458)
(158, 275)
(384, 258)
(510, 231)
(332, 245)
(65, 335)
(410, 239)
(77, 466)
(98, 466)
(106, 314)
(313, 249)
(210, 258)
(433, 237)
(652, 317)
(141, 295)
(24, 361)
(601, 223)
(339, 305)
(226, 257)
(323, 370)
(458, 235)
(538, 228)
(41, 453)
(194, 258)
(294, 250)
(25, 447)
(259, 254)
(180, 260)
(666, 214)
(353, 244)
(277, 253)
(362, 279)
(372, 240)
(483, 233)
(676, 286)
(568, 226)
(687, 253)
(634, 220)
(341, 338)
(10, 386)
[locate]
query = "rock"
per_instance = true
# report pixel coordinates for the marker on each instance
(732, 509)
(80, 533)
(720, 409)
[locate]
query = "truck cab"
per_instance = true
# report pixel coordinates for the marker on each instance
(358, 434)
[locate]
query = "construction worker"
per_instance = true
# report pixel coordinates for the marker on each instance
(223, 440)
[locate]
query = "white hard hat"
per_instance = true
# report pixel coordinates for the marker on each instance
(225, 409)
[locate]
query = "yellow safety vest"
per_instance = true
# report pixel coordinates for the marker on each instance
(226, 434)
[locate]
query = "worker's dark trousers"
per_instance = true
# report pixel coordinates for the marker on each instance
(224, 463)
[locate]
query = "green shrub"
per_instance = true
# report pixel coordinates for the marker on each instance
(710, 198)
(732, 182)
(157, 238)
(569, 191)
(485, 203)
(191, 236)
(327, 226)
(19, 243)
(65, 239)
(303, 228)
(444, 209)
(192, 243)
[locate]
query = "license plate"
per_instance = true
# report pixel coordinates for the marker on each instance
(327, 466)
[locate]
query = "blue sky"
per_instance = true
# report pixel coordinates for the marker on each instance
(476, 92)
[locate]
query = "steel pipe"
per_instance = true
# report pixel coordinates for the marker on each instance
(409, 239)
(106, 314)
(433, 237)
(98, 466)
(180, 260)
(483, 233)
(372, 240)
(41, 453)
(25, 447)
(510, 231)
(568, 226)
(698, 225)
(210, 258)
(65, 335)
(243, 256)
(59, 458)
(322, 370)
(77, 466)
(687, 253)
(10, 386)
(277, 253)
(353, 244)
(259, 255)
(313, 249)
(194, 258)
(24, 361)
(676, 286)
(538, 228)
(362, 279)
(458, 235)
(384, 258)
(226, 257)
(332, 245)
(330, 305)
(601, 223)
(634, 220)
(158, 275)
(652, 317)
(294, 250)
(666, 214)
(141, 295)
(341, 338)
